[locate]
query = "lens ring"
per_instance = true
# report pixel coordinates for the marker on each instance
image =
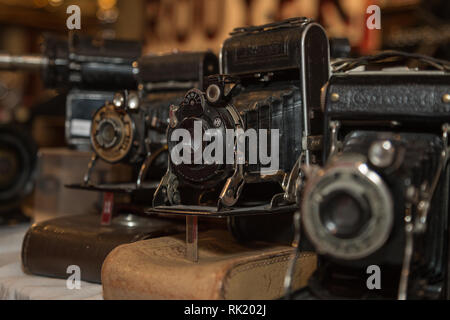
(213, 93)
(353, 177)
(345, 213)
(108, 133)
(120, 134)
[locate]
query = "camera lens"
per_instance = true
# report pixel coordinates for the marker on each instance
(198, 169)
(107, 135)
(112, 133)
(344, 215)
(347, 208)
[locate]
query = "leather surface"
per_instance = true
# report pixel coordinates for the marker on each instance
(186, 66)
(51, 246)
(391, 97)
(158, 269)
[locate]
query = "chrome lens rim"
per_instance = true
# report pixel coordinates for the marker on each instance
(120, 146)
(353, 177)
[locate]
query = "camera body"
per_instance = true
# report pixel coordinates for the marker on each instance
(93, 70)
(381, 198)
(85, 62)
(131, 127)
(253, 124)
(90, 69)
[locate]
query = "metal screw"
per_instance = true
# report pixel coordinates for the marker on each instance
(217, 122)
(135, 66)
(334, 97)
(446, 98)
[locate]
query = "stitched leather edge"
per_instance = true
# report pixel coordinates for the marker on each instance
(253, 265)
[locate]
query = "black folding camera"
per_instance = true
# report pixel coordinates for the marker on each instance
(241, 140)
(131, 128)
(377, 212)
(94, 70)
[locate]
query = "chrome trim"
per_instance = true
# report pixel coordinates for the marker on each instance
(354, 175)
(306, 129)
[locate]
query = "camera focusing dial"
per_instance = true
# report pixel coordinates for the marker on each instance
(193, 102)
(347, 209)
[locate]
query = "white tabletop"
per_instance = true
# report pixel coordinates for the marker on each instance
(15, 284)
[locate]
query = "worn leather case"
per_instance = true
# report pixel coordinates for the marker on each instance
(158, 269)
(51, 246)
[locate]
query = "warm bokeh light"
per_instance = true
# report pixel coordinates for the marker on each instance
(106, 4)
(40, 3)
(55, 3)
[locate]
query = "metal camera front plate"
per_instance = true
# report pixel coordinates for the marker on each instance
(214, 212)
(115, 187)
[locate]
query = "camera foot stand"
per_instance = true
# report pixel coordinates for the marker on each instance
(192, 238)
(107, 208)
(87, 176)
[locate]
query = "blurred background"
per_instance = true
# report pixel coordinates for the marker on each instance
(166, 25)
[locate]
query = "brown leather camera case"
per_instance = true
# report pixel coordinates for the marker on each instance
(158, 269)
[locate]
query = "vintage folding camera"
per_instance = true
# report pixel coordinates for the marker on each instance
(236, 147)
(377, 212)
(131, 128)
(95, 70)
